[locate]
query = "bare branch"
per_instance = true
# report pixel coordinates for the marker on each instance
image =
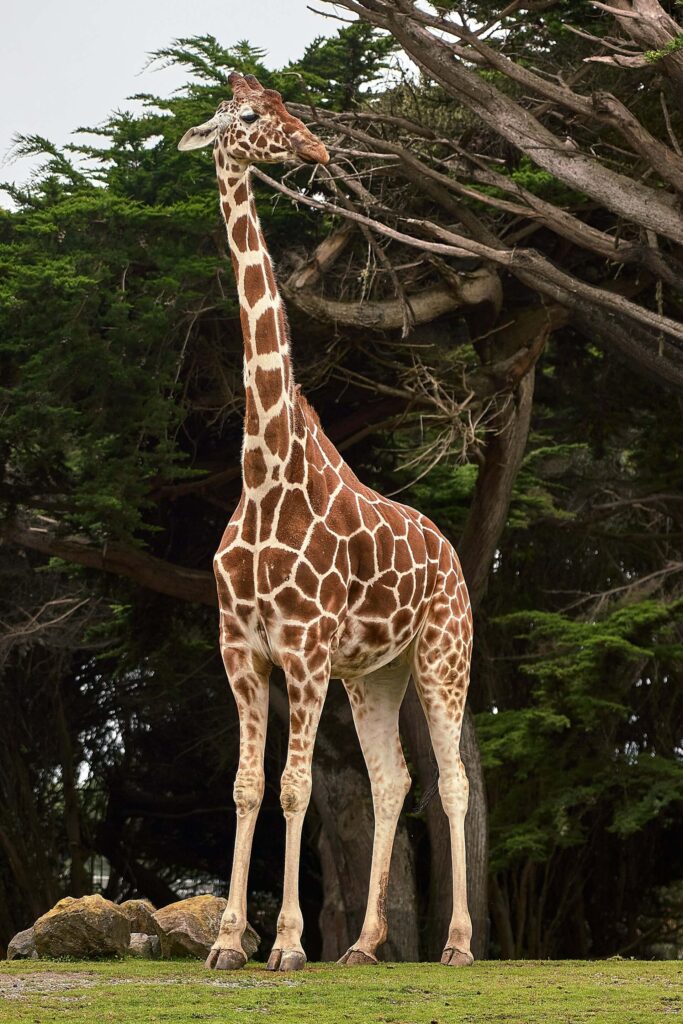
(547, 278)
(652, 29)
(615, 191)
(439, 185)
(147, 570)
(385, 315)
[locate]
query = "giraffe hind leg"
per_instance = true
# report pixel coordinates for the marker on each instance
(375, 702)
(441, 662)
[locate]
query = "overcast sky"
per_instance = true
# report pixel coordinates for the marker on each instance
(65, 63)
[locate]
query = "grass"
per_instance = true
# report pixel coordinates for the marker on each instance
(558, 992)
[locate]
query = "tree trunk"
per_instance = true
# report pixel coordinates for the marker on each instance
(79, 883)
(341, 797)
(21, 833)
(485, 523)
(491, 500)
(8, 925)
(500, 912)
(476, 839)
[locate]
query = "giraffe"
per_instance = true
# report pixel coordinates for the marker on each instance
(323, 577)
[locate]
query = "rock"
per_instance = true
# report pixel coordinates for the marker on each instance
(251, 940)
(64, 902)
(140, 913)
(145, 946)
(23, 946)
(190, 927)
(83, 928)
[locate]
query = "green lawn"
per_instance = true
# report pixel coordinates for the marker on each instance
(567, 992)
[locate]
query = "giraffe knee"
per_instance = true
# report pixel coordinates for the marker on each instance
(454, 789)
(295, 793)
(293, 799)
(248, 791)
(389, 792)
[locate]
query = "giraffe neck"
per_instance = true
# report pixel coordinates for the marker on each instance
(270, 400)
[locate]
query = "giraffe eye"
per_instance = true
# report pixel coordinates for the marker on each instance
(249, 115)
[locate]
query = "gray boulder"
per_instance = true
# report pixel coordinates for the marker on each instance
(23, 946)
(85, 928)
(144, 946)
(189, 928)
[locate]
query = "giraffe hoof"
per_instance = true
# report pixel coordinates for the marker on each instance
(225, 960)
(357, 958)
(452, 957)
(286, 960)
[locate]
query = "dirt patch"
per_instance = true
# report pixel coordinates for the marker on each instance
(17, 986)
(47, 982)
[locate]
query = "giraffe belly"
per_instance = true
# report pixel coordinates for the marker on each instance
(364, 626)
(351, 665)
(366, 645)
(356, 648)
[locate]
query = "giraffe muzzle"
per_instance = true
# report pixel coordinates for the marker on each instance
(311, 151)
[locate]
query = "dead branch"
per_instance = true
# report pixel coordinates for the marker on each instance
(438, 185)
(617, 192)
(529, 265)
(652, 29)
(479, 286)
(147, 570)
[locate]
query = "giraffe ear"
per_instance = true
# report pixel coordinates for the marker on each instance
(201, 135)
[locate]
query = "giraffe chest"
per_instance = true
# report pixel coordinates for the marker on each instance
(275, 598)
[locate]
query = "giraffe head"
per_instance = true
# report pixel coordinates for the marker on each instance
(256, 127)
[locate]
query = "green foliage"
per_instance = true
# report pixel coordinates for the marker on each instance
(111, 284)
(675, 44)
(208, 61)
(92, 293)
(446, 491)
(543, 184)
(338, 71)
(586, 681)
(538, 493)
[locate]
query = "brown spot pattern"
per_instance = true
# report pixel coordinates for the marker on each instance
(254, 284)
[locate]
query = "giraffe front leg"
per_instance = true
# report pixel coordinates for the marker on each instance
(250, 689)
(306, 690)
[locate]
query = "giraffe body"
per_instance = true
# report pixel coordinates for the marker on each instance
(322, 576)
(336, 565)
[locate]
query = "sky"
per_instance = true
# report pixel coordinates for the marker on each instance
(65, 63)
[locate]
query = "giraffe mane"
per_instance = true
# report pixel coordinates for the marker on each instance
(311, 416)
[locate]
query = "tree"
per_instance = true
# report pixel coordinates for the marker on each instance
(492, 382)
(510, 120)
